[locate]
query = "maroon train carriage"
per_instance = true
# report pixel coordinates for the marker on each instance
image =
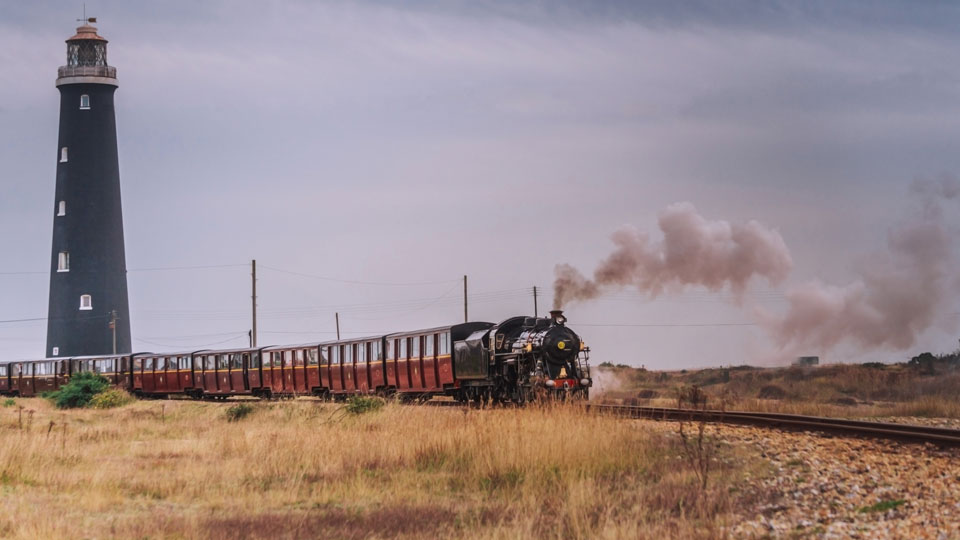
(33, 377)
(517, 360)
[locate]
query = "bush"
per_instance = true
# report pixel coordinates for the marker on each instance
(9, 402)
(772, 391)
(79, 391)
(108, 399)
(364, 404)
(239, 411)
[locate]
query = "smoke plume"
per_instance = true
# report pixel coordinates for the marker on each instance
(898, 295)
(693, 252)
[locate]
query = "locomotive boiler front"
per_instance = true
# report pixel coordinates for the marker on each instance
(559, 344)
(549, 355)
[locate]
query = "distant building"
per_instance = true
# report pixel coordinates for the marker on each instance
(807, 361)
(88, 313)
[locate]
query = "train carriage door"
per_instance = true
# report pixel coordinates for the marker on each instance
(245, 362)
(416, 378)
(148, 374)
(277, 369)
(434, 372)
(371, 358)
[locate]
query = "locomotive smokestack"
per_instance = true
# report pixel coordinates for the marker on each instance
(557, 316)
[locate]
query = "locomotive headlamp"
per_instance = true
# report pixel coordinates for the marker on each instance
(562, 345)
(529, 347)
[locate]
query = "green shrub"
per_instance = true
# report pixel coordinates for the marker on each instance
(364, 404)
(9, 402)
(238, 411)
(79, 391)
(110, 398)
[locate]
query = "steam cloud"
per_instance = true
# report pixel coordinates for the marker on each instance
(694, 251)
(898, 295)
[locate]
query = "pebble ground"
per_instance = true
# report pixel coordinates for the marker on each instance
(818, 486)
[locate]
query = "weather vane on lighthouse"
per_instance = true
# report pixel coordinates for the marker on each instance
(85, 19)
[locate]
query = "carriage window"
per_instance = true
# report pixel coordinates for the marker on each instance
(444, 344)
(298, 358)
(324, 355)
(334, 355)
(312, 357)
(349, 353)
(415, 347)
(402, 351)
(388, 352)
(236, 361)
(378, 350)
(253, 360)
(138, 364)
(3, 371)
(208, 362)
(428, 349)
(183, 362)
(361, 353)
(15, 370)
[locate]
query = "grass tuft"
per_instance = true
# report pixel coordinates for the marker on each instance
(111, 398)
(364, 404)
(882, 506)
(238, 412)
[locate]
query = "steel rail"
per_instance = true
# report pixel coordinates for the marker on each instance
(793, 422)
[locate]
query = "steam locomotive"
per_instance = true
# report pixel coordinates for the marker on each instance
(518, 360)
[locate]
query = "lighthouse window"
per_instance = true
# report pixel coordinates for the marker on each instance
(86, 302)
(63, 155)
(63, 262)
(84, 101)
(62, 208)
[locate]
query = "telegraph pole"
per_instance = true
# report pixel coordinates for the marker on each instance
(337, 315)
(535, 301)
(465, 317)
(113, 329)
(253, 297)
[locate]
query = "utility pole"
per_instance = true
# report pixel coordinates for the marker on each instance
(113, 329)
(337, 315)
(253, 297)
(465, 317)
(534, 301)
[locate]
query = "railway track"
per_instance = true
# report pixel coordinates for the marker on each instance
(793, 422)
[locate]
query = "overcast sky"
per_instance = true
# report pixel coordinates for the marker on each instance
(396, 146)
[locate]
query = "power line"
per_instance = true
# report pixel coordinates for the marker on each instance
(151, 269)
(355, 282)
(237, 335)
(658, 325)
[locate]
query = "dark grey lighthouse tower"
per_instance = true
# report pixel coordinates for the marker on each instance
(89, 311)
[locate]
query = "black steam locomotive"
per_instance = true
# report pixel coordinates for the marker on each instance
(523, 359)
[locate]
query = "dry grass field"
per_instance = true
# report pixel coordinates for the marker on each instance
(872, 390)
(302, 469)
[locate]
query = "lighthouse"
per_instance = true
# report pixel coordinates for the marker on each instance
(88, 311)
